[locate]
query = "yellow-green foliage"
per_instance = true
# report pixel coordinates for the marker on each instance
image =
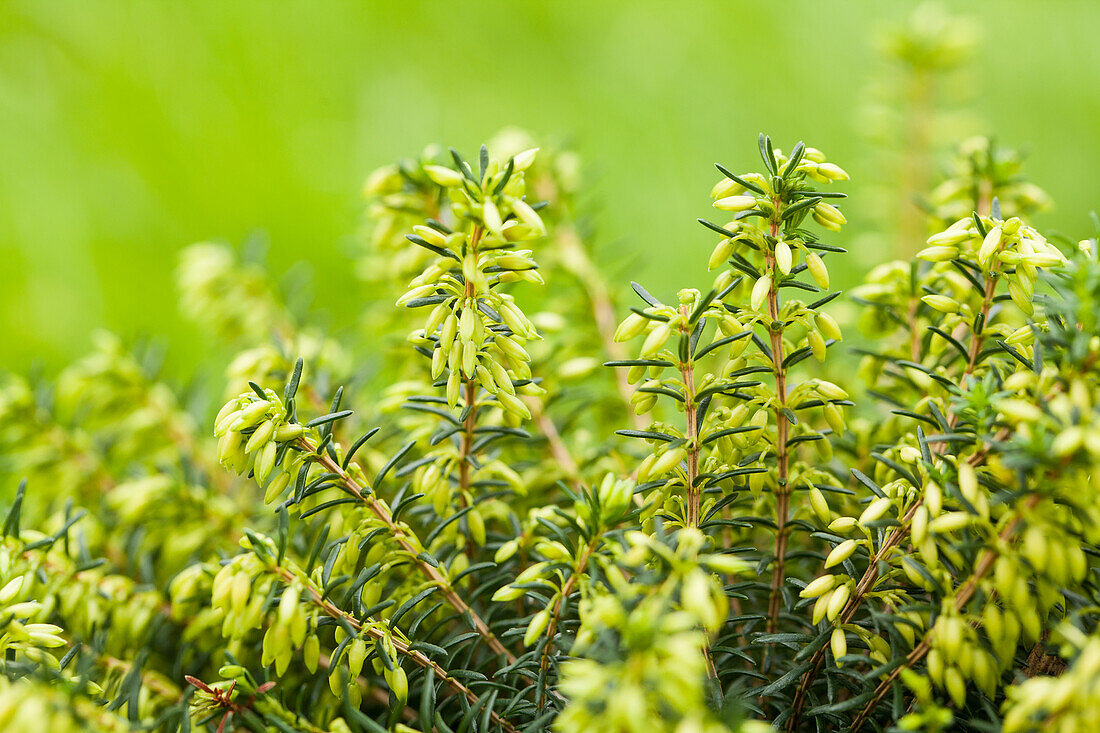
(529, 507)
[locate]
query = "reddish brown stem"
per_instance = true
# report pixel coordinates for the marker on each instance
(782, 434)
(691, 431)
(418, 658)
(555, 615)
(382, 512)
(468, 424)
(965, 593)
(466, 451)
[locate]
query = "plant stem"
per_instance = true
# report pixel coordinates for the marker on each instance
(466, 452)
(555, 615)
(691, 429)
(866, 583)
(965, 593)
(379, 508)
(898, 535)
(870, 576)
(914, 334)
(782, 428)
(468, 424)
(977, 341)
(418, 658)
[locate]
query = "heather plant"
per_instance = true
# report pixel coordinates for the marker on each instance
(919, 99)
(519, 505)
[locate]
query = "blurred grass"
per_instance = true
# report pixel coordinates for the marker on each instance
(131, 129)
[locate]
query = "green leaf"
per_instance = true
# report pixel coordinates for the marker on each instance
(739, 180)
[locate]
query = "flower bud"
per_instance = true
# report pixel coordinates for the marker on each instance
(841, 553)
(252, 414)
(875, 510)
(668, 461)
(537, 625)
(784, 258)
(819, 505)
(828, 326)
(938, 253)
(288, 605)
(941, 303)
(11, 589)
(949, 522)
(837, 602)
(523, 161)
(721, 253)
(816, 344)
(399, 683)
(818, 586)
(989, 245)
(726, 187)
(735, 203)
(834, 417)
(442, 176)
(817, 269)
(832, 171)
(838, 643)
(949, 237)
(311, 652)
(655, 340)
(632, 326)
(760, 292)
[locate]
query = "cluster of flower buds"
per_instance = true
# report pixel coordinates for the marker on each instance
(766, 245)
(476, 333)
(23, 630)
(30, 704)
(242, 590)
(1008, 247)
(941, 316)
(386, 661)
(239, 594)
(638, 650)
(256, 434)
(40, 583)
(611, 500)
(560, 569)
(1021, 546)
(242, 593)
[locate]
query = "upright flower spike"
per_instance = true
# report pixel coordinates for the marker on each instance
(474, 332)
(959, 502)
(680, 340)
(769, 248)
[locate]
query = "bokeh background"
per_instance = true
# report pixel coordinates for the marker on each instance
(129, 130)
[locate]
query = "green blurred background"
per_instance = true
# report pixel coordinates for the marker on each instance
(129, 129)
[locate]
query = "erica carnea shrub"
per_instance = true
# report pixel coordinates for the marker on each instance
(511, 503)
